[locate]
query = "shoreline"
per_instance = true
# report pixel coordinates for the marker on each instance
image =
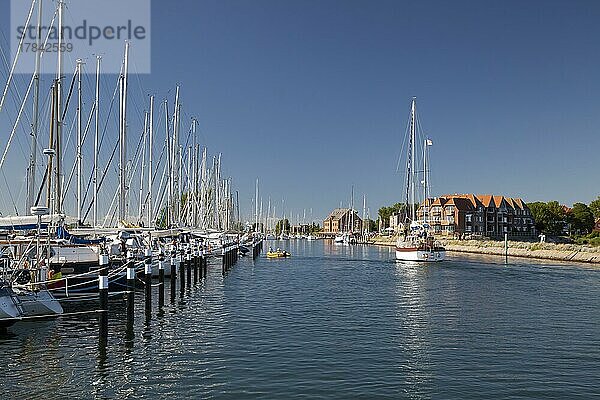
(535, 250)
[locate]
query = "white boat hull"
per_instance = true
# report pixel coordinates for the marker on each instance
(38, 303)
(420, 255)
(8, 308)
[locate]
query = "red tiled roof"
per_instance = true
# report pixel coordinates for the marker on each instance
(486, 199)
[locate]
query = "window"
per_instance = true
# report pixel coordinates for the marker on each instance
(468, 217)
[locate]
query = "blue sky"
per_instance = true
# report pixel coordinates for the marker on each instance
(313, 96)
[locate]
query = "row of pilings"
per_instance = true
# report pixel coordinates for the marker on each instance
(188, 265)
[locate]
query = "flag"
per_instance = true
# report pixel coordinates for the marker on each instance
(429, 142)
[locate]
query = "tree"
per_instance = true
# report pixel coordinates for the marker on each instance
(595, 207)
(581, 218)
(282, 223)
(386, 212)
(549, 217)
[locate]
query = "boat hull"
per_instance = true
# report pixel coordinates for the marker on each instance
(422, 255)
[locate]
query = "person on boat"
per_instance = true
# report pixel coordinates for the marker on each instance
(270, 249)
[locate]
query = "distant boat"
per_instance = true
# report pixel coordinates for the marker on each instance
(278, 254)
(418, 243)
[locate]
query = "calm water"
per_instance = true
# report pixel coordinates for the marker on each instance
(332, 322)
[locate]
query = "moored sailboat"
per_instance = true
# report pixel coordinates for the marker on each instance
(418, 242)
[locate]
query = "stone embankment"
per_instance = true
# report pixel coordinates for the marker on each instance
(547, 251)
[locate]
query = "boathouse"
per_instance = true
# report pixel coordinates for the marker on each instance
(342, 220)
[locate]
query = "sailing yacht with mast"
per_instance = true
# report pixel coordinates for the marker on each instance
(417, 243)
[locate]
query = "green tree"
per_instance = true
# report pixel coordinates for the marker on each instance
(549, 217)
(385, 213)
(282, 223)
(581, 218)
(314, 228)
(595, 207)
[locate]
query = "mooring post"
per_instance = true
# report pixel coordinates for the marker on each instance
(161, 279)
(506, 248)
(195, 264)
(103, 295)
(204, 264)
(148, 279)
(200, 264)
(181, 260)
(173, 275)
(188, 257)
(130, 290)
(223, 263)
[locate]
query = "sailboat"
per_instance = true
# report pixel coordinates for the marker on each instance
(417, 243)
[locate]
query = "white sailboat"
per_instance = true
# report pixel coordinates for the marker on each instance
(418, 243)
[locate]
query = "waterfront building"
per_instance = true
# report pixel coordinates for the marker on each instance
(462, 215)
(300, 229)
(397, 220)
(342, 220)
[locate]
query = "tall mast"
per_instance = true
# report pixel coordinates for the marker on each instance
(59, 122)
(412, 158)
(364, 211)
(176, 155)
(256, 206)
(194, 195)
(123, 135)
(51, 149)
(144, 144)
(34, 123)
(150, 167)
(79, 144)
(169, 215)
(425, 181)
(352, 210)
(97, 140)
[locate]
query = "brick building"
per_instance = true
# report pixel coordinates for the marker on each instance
(342, 220)
(478, 215)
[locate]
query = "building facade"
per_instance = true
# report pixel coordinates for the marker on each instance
(478, 215)
(342, 220)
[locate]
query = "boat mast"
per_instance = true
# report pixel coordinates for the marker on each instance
(51, 151)
(150, 169)
(142, 162)
(176, 158)
(203, 191)
(79, 144)
(59, 122)
(195, 176)
(256, 206)
(96, 140)
(34, 124)
(123, 135)
(412, 158)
